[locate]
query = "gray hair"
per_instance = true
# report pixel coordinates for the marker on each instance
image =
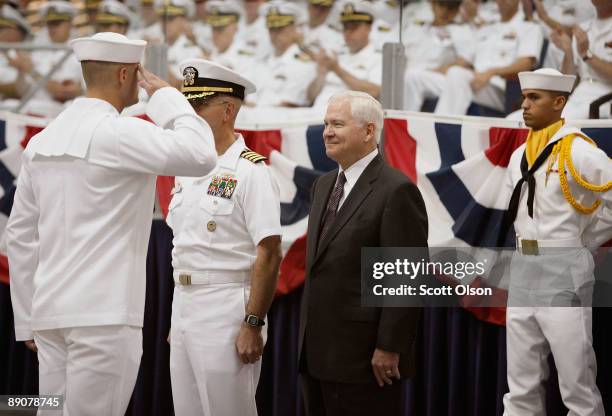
(364, 109)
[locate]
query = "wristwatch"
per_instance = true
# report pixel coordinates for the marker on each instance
(253, 320)
(588, 55)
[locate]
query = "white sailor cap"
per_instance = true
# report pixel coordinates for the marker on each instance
(281, 14)
(9, 17)
(175, 8)
(357, 11)
(113, 11)
(57, 10)
(546, 79)
(222, 13)
(108, 47)
(204, 79)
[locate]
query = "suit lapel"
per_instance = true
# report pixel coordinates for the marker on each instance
(319, 203)
(359, 192)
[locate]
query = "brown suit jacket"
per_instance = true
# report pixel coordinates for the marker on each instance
(337, 335)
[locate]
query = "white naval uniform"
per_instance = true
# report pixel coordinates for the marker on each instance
(215, 240)
(592, 85)
(8, 74)
(497, 45)
(255, 36)
(182, 49)
(429, 47)
(203, 35)
(77, 241)
(42, 103)
(365, 64)
(323, 37)
(533, 329)
(238, 57)
(285, 78)
(568, 13)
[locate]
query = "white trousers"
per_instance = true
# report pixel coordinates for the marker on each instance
(208, 378)
(420, 85)
(94, 368)
(531, 334)
(457, 93)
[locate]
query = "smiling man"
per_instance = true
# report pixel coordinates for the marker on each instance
(551, 221)
(352, 357)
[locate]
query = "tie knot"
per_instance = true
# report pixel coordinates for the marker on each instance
(341, 179)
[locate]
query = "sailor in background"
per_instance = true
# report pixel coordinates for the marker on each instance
(559, 179)
(284, 75)
(359, 65)
(226, 256)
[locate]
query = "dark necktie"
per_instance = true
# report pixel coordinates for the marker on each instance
(510, 214)
(332, 205)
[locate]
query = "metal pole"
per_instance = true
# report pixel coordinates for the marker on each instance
(394, 67)
(156, 59)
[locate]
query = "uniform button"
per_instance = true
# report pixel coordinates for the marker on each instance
(211, 226)
(215, 202)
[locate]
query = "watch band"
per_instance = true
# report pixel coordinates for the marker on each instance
(254, 320)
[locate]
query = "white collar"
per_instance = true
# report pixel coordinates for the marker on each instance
(354, 171)
(229, 159)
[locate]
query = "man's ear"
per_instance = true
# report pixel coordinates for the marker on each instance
(559, 102)
(123, 75)
(370, 128)
(230, 110)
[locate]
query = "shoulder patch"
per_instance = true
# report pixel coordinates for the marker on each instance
(252, 156)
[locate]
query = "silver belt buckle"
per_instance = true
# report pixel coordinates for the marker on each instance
(530, 247)
(185, 279)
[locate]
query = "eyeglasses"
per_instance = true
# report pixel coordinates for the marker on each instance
(210, 103)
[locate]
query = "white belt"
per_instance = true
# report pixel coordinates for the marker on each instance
(532, 247)
(186, 278)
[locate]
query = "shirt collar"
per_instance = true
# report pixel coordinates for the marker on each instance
(97, 103)
(229, 159)
(354, 171)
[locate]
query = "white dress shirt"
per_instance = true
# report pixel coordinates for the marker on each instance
(353, 173)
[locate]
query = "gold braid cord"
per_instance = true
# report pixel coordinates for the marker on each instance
(564, 150)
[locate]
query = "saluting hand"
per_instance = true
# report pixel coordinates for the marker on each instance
(249, 344)
(149, 81)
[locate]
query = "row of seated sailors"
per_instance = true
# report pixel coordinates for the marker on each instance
(299, 59)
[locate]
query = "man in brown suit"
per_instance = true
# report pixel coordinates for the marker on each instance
(352, 357)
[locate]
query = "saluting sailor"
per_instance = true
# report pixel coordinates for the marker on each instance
(559, 180)
(226, 256)
(78, 232)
